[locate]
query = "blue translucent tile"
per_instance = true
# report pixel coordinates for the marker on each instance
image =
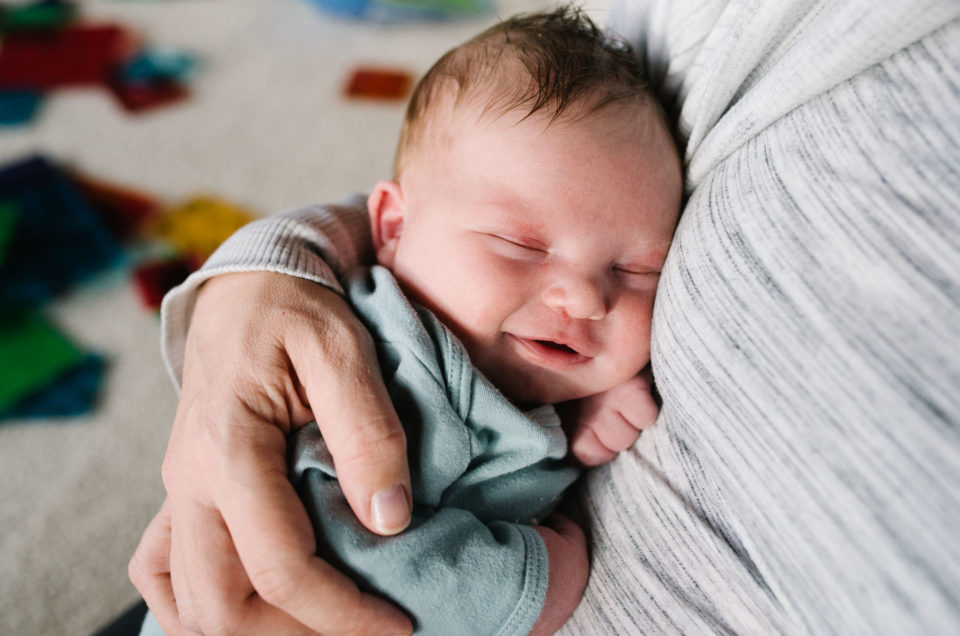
(73, 393)
(18, 107)
(404, 10)
(58, 240)
(152, 65)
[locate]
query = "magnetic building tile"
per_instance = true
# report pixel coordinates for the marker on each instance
(75, 55)
(138, 96)
(198, 227)
(32, 354)
(36, 16)
(18, 107)
(73, 392)
(57, 241)
(383, 84)
(8, 223)
(125, 212)
(151, 65)
(154, 279)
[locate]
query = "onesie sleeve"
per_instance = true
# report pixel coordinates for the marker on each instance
(449, 571)
(315, 243)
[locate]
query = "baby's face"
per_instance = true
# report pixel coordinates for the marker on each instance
(539, 245)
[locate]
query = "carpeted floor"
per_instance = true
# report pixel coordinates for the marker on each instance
(266, 127)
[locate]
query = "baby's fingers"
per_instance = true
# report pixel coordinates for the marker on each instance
(603, 439)
(633, 401)
(589, 450)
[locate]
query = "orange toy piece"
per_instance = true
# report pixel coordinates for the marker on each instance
(196, 228)
(379, 83)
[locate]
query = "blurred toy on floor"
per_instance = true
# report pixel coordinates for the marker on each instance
(388, 11)
(46, 47)
(379, 83)
(198, 226)
(60, 229)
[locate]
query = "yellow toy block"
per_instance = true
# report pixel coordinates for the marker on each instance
(198, 226)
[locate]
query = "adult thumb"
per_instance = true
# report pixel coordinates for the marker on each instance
(369, 451)
(346, 393)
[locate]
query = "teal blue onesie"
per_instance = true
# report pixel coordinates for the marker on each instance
(481, 471)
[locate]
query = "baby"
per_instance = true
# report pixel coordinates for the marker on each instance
(536, 190)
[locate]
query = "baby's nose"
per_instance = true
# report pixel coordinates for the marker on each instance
(578, 297)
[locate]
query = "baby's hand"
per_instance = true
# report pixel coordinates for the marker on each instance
(566, 575)
(602, 425)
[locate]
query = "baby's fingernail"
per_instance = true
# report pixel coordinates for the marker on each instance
(390, 509)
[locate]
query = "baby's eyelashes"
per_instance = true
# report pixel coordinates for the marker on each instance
(526, 244)
(636, 270)
(516, 248)
(637, 277)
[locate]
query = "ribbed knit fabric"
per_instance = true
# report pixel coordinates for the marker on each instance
(299, 243)
(804, 475)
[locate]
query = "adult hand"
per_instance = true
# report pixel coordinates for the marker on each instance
(232, 550)
(602, 425)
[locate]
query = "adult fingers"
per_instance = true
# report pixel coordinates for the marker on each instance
(207, 577)
(216, 597)
(275, 542)
(149, 570)
(356, 417)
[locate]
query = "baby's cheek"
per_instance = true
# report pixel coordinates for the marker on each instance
(502, 286)
(629, 344)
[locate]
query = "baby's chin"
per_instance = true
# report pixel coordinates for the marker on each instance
(527, 385)
(526, 392)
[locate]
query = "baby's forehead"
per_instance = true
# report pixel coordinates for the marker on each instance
(451, 116)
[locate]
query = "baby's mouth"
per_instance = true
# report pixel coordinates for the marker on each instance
(548, 353)
(550, 344)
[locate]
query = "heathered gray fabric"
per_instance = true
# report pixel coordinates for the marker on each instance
(804, 475)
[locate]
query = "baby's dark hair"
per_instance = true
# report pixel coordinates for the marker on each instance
(547, 61)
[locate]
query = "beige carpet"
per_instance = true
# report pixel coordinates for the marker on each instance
(267, 128)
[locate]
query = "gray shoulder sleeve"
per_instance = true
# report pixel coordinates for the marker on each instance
(315, 243)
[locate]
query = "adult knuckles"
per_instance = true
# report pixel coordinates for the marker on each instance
(214, 620)
(340, 338)
(170, 473)
(278, 585)
(372, 442)
(138, 571)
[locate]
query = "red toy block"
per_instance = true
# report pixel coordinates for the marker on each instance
(66, 57)
(125, 212)
(385, 84)
(140, 96)
(156, 278)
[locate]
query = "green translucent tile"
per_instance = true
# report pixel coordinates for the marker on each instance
(39, 16)
(32, 354)
(8, 222)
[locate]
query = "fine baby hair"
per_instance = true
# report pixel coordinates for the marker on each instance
(557, 61)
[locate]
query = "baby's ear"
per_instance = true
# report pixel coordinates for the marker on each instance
(387, 209)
